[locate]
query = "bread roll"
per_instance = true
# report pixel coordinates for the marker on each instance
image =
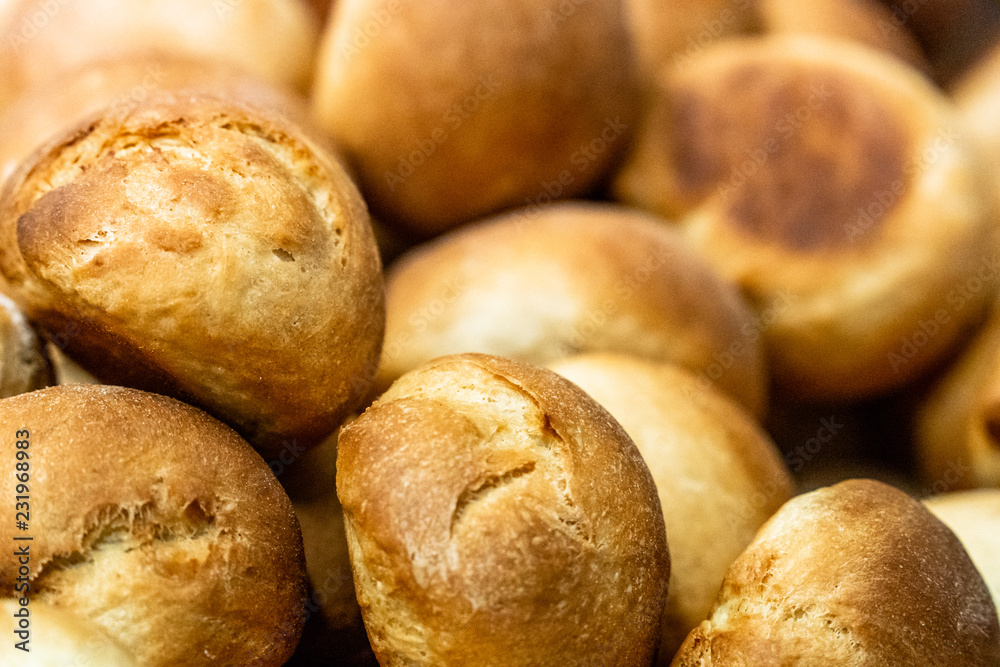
(275, 39)
(974, 516)
(977, 96)
(56, 639)
(57, 104)
(854, 574)
(496, 515)
(24, 366)
(334, 632)
(718, 475)
(450, 111)
(957, 430)
(828, 181)
(157, 523)
(540, 285)
(204, 249)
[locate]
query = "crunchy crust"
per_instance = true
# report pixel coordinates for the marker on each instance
(854, 575)
(203, 249)
(718, 475)
(275, 39)
(974, 516)
(570, 279)
(496, 515)
(830, 177)
(158, 523)
(450, 111)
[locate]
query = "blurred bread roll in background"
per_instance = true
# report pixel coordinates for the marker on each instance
(718, 475)
(974, 516)
(833, 184)
(24, 366)
(542, 284)
(205, 249)
(496, 515)
(57, 104)
(451, 111)
(957, 431)
(854, 574)
(156, 522)
(56, 638)
(977, 96)
(275, 39)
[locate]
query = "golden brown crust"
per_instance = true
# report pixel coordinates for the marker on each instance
(718, 475)
(450, 111)
(158, 523)
(858, 574)
(24, 365)
(497, 515)
(68, 98)
(275, 39)
(571, 278)
(204, 249)
(825, 179)
(957, 429)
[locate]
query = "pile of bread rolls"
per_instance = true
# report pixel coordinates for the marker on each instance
(500, 333)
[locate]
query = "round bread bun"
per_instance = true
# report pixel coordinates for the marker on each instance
(56, 638)
(829, 181)
(718, 475)
(334, 632)
(156, 522)
(204, 249)
(854, 574)
(57, 104)
(24, 365)
(496, 515)
(957, 430)
(275, 39)
(974, 516)
(540, 285)
(867, 22)
(450, 111)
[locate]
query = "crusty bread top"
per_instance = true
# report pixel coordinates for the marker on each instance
(500, 516)
(206, 249)
(571, 278)
(974, 516)
(854, 574)
(156, 521)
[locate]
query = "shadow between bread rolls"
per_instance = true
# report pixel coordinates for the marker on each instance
(157, 523)
(205, 249)
(541, 284)
(718, 475)
(497, 515)
(833, 184)
(854, 574)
